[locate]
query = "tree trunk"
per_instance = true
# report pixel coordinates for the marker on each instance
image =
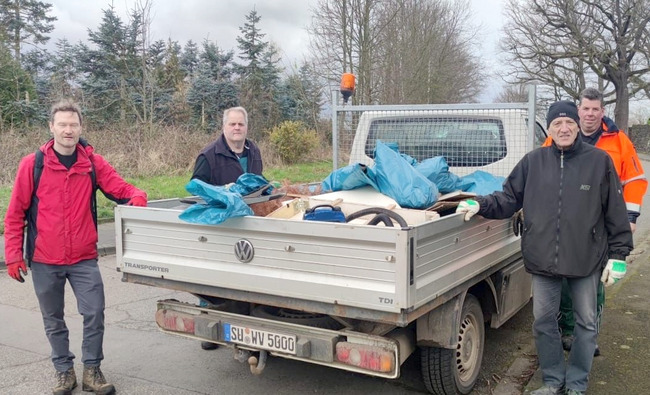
(622, 108)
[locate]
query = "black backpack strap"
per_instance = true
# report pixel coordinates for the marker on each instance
(38, 169)
(93, 180)
(33, 208)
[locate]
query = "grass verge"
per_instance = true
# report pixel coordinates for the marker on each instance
(165, 187)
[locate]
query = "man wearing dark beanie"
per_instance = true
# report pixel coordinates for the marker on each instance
(575, 229)
(600, 131)
(562, 108)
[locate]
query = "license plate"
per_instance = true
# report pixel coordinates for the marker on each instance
(260, 339)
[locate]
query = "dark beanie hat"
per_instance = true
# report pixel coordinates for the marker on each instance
(562, 108)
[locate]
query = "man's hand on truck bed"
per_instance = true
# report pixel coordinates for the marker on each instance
(469, 207)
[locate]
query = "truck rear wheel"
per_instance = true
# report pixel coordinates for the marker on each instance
(448, 372)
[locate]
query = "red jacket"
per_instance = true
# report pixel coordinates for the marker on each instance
(65, 229)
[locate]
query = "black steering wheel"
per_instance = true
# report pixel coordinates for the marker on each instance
(381, 215)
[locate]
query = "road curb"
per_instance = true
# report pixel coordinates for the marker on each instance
(519, 374)
(103, 251)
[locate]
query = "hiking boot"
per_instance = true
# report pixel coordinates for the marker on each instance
(548, 390)
(94, 381)
(209, 346)
(65, 382)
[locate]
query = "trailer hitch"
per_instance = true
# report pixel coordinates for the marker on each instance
(256, 365)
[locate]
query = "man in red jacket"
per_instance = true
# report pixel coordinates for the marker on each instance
(62, 239)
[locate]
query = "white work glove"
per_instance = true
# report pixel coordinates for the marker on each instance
(469, 207)
(614, 271)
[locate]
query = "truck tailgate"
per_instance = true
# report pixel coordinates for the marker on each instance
(379, 268)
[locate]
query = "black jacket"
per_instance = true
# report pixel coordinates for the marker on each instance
(218, 165)
(574, 214)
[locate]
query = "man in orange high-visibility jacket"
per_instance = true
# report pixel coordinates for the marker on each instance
(600, 131)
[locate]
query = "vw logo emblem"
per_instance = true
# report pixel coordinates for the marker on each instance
(244, 251)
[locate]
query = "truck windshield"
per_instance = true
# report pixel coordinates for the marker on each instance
(462, 141)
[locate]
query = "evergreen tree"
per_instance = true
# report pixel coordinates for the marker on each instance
(212, 90)
(173, 79)
(301, 97)
(37, 65)
(258, 76)
(208, 98)
(25, 22)
(220, 64)
(62, 72)
(15, 110)
(190, 58)
(113, 70)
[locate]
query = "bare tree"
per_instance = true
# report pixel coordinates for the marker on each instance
(344, 36)
(572, 44)
(515, 93)
(426, 54)
(402, 51)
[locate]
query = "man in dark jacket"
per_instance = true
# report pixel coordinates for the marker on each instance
(225, 159)
(62, 240)
(231, 155)
(575, 228)
(600, 131)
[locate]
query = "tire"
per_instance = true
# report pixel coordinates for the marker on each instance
(450, 372)
(296, 317)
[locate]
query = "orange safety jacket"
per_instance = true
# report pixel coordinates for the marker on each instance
(626, 161)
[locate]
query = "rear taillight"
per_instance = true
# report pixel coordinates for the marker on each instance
(365, 356)
(175, 321)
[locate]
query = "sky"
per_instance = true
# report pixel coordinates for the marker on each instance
(283, 21)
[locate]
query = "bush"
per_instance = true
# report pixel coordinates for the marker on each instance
(292, 141)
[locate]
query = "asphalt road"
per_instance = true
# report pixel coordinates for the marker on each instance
(142, 360)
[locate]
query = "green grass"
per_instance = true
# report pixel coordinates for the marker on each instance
(300, 173)
(165, 187)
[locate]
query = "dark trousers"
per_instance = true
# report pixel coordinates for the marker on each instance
(88, 287)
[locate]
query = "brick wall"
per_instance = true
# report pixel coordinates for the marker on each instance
(640, 136)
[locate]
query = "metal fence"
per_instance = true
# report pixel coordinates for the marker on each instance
(489, 137)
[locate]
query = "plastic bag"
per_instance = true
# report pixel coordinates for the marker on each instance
(395, 147)
(220, 204)
(436, 169)
(247, 183)
(481, 183)
(397, 178)
(349, 177)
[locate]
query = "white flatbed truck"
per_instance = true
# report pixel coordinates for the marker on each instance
(350, 296)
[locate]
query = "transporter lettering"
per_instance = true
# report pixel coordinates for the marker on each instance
(146, 267)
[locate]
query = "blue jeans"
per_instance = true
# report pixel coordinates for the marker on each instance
(574, 373)
(88, 287)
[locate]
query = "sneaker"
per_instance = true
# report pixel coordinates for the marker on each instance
(65, 382)
(94, 381)
(597, 351)
(548, 390)
(574, 392)
(209, 346)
